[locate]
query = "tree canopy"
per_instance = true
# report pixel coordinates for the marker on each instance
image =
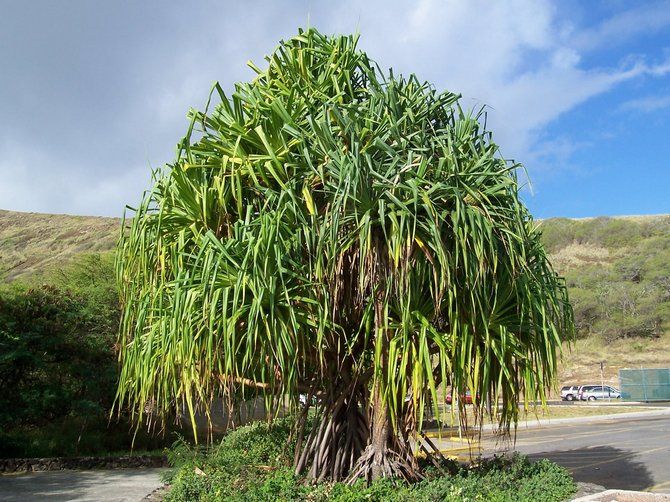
(355, 237)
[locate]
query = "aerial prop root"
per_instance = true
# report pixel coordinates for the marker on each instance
(335, 443)
(397, 462)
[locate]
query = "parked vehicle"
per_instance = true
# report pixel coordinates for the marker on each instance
(582, 389)
(569, 392)
(594, 392)
(465, 397)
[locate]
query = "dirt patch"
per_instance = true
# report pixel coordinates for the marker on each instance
(577, 255)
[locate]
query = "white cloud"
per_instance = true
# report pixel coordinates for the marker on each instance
(518, 57)
(526, 59)
(647, 104)
(35, 181)
(534, 99)
(645, 18)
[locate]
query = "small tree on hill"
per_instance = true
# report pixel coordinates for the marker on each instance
(354, 238)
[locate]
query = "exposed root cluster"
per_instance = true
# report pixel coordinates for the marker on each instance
(377, 463)
(335, 443)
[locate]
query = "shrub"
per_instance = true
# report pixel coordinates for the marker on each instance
(240, 464)
(558, 233)
(58, 370)
(252, 464)
(51, 363)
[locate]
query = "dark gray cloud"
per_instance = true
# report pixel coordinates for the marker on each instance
(93, 94)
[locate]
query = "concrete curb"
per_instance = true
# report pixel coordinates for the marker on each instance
(12, 465)
(622, 496)
(586, 419)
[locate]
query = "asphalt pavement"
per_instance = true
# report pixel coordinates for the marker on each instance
(119, 485)
(628, 453)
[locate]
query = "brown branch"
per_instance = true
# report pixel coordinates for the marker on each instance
(302, 387)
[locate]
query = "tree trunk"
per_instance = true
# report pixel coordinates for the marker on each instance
(353, 440)
(379, 440)
(388, 453)
(380, 419)
(338, 437)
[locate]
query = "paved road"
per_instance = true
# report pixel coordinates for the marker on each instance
(623, 453)
(118, 485)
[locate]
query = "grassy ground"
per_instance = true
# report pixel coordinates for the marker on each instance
(580, 410)
(31, 243)
(557, 411)
(581, 360)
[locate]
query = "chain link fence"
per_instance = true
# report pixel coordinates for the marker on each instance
(645, 384)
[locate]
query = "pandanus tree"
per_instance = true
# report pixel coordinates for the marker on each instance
(348, 237)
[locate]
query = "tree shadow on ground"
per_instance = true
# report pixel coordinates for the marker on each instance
(602, 465)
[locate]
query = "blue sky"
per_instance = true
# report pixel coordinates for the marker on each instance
(93, 94)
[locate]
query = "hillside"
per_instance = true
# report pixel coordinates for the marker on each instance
(618, 275)
(617, 271)
(32, 243)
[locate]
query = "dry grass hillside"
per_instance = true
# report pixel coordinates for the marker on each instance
(617, 271)
(618, 274)
(31, 243)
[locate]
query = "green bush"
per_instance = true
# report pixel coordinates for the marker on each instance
(611, 233)
(58, 369)
(53, 360)
(253, 464)
(91, 277)
(558, 233)
(245, 459)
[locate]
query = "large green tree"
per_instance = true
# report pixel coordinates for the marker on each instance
(348, 236)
